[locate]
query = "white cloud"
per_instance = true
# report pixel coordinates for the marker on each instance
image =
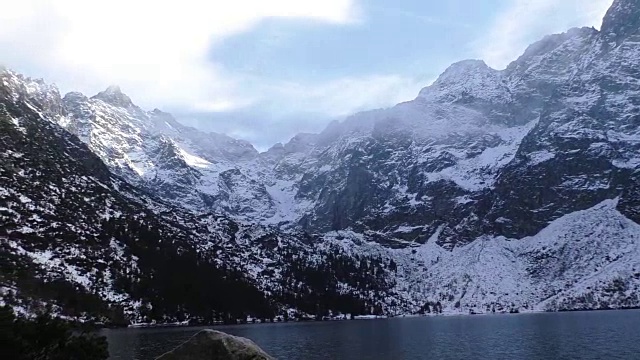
(526, 21)
(159, 51)
(344, 96)
(278, 110)
(156, 50)
(330, 98)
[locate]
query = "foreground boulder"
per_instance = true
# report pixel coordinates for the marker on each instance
(216, 345)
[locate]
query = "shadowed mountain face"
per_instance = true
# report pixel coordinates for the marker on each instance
(431, 193)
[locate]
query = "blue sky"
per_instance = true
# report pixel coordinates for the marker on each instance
(401, 36)
(407, 43)
(263, 71)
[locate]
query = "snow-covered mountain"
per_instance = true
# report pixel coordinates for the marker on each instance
(76, 235)
(516, 188)
(453, 156)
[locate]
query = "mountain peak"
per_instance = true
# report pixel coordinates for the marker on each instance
(113, 89)
(464, 67)
(114, 96)
(622, 19)
(461, 71)
(460, 79)
(74, 96)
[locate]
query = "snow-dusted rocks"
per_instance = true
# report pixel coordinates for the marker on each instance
(114, 96)
(622, 19)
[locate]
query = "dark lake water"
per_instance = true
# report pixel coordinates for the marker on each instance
(576, 335)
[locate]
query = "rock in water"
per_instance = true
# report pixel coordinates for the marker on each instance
(216, 345)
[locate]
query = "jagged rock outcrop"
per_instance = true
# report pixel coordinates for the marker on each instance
(216, 345)
(622, 20)
(114, 96)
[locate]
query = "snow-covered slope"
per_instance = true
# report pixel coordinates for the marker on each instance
(583, 260)
(589, 259)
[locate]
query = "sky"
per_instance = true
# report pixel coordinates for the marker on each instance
(264, 71)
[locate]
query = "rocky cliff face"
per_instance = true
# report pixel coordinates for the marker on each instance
(485, 175)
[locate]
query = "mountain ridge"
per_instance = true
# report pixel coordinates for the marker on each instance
(497, 99)
(480, 194)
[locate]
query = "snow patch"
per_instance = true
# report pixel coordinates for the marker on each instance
(539, 157)
(192, 160)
